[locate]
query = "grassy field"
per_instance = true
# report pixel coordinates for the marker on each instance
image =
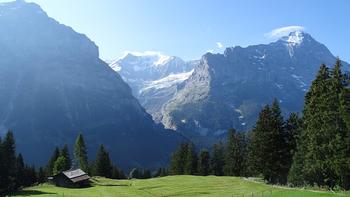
(174, 186)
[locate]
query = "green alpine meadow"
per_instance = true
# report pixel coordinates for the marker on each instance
(182, 185)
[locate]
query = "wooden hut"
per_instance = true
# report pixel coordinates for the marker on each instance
(71, 178)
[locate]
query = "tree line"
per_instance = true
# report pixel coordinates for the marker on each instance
(266, 151)
(14, 173)
(310, 150)
(101, 166)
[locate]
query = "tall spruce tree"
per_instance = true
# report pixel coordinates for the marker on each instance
(51, 163)
(341, 143)
(2, 169)
(178, 160)
(80, 153)
(293, 129)
(235, 154)
(325, 137)
(257, 143)
(204, 163)
(278, 165)
(20, 170)
(103, 165)
(65, 154)
(41, 175)
(267, 152)
(190, 163)
(9, 162)
(217, 161)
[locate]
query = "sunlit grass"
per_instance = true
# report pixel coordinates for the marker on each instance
(174, 186)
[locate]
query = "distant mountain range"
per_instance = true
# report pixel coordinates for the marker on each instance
(153, 77)
(53, 86)
(228, 90)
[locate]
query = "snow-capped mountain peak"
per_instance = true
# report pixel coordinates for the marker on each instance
(294, 38)
(163, 59)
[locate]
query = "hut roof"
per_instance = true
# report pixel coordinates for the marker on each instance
(76, 175)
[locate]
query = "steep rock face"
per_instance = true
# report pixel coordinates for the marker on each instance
(53, 85)
(228, 90)
(153, 77)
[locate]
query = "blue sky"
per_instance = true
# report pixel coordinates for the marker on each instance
(189, 28)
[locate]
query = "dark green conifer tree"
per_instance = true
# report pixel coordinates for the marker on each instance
(267, 152)
(41, 175)
(65, 154)
(325, 137)
(9, 162)
(103, 165)
(178, 160)
(51, 163)
(190, 163)
(2, 168)
(204, 163)
(277, 165)
(218, 159)
(60, 164)
(20, 169)
(80, 153)
(235, 154)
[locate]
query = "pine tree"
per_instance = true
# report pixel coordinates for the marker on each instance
(267, 151)
(20, 168)
(41, 175)
(218, 159)
(293, 128)
(80, 153)
(9, 162)
(257, 142)
(31, 175)
(178, 159)
(190, 163)
(60, 165)
(341, 142)
(204, 163)
(278, 165)
(325, 137)
(2, 168)
(65, 154)
(235, 154)
(103, 165)
(51, 163)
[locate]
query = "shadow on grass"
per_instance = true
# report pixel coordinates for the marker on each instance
(114, 185)
(30, 193)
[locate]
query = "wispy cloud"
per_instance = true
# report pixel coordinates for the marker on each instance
(219, 45)
(283, 31)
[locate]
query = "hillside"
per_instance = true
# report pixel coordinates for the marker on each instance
(174, 186)
(54, 85)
